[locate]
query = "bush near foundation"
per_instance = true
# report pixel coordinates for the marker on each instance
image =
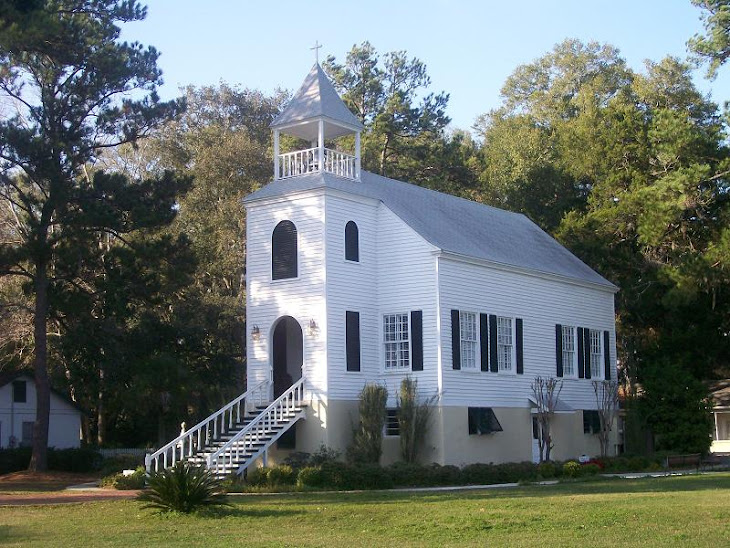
(124, 483)
(60, 460)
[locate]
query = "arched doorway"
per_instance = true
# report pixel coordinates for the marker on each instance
(286, 354)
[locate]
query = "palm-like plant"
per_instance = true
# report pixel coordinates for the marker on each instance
(182, 488)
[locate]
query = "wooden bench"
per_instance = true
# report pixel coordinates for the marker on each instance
(680, 461)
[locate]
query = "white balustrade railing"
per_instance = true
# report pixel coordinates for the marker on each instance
(339, 163)
(257, 430)
(301, 162)
(196, 438)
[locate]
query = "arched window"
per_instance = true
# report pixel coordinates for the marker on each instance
(284, 251)
(352, 244)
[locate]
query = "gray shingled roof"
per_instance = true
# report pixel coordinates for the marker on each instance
(317, 97)
(454, 224)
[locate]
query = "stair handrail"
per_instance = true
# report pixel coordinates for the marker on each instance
(289, 400)
(185, 442)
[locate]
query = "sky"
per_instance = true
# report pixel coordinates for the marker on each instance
(469, 47)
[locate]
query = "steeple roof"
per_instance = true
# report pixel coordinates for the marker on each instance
(317, 99)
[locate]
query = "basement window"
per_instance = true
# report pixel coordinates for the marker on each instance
(591, 422)
(392, 428)
(482, 420)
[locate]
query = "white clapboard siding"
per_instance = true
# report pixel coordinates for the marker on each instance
(541, 303)
(303, 298)
(395, 274)
(351, 286)
(406, 281)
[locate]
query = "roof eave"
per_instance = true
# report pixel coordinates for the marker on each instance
(608, 286)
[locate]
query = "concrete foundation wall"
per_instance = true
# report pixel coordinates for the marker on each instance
(448, 441)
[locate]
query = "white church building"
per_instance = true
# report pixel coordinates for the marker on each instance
(354, 278)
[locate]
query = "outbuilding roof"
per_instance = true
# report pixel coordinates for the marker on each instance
(6, 377)
(317, 98)
(455, 225)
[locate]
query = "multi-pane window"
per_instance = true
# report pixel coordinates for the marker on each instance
(568, 351)
(395, 339)
(468, 334)
(392, 427)
(596, 353)
(504, 344)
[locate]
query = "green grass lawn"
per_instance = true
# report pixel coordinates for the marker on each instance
(679, 511)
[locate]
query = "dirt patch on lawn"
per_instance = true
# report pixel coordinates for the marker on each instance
(63, 497)
(24, 488)
(42, 481)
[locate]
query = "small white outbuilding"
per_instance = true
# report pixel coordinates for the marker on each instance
(18, 413)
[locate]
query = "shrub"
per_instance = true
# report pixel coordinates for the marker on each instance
(514, 472)
(445, 475)
(366, 446)
(62, 460)
(117, 463)
(336, 475)
(298, 460)
(257, 476)
(74, 460)
(12, 460)
(546, 470)
(590, 469)
(405, 474)
(182, 488)
(281, 475)
(310, 476)
(413, 419)
(572, 469)
(123, 483)
(638, 464)
(479, 474)
(322, 455)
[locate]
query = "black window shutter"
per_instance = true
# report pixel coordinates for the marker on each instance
(455, 340)
(352, 243)
(284, 251)
(581, 354)
(518, 349)
(587, 350)
(352, 340)
(484, 340)
(493, 365)
(20, 391)
(417, 340)
(559, 349)
(607, 355)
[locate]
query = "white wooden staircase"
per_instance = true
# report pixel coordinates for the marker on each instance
(232, 438)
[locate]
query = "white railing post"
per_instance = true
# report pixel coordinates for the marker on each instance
(357, 156)
(276, 154)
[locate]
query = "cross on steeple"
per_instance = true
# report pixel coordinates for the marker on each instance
(316, 47)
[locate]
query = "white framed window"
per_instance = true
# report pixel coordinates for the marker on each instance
(396, 342)
(569, 351)
(596, 353)
(392, 426)
(504, 344)
(468, 336)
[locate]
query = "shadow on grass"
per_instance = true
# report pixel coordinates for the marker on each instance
(586, 487)
(238, 509)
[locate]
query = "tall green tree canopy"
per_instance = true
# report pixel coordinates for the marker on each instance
(404, 121)
(73, 90)
(630, 171)
(713, 47)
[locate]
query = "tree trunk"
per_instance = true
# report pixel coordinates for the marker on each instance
(100, 422)
(39, 457)
(384, 154)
